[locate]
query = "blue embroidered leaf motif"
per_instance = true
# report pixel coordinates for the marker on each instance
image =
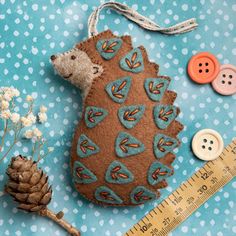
(130, 115)
(118, 90)
(163, 144)
(105, 194)
(108, 48)
(155, 88)
(94, 115)
(157, 172)
(141, 194)
(127, 145)
(86, 147)
(82, 174)
(117, 173)
(164, 115)
(133, 61)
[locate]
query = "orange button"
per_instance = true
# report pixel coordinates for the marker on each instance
(203, 67)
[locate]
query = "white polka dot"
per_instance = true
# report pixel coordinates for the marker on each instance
(184, 229)
(84, 228)
(234, 229)
(185, 7)
(34, 228)
(35, 7)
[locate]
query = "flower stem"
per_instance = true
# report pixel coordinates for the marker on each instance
(4, 134)
(58, 218)
(16, 136)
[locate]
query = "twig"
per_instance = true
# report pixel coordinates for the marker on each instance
(58, 218)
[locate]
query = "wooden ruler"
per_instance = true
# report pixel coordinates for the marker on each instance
(189, 196)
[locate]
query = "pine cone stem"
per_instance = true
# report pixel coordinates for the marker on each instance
(68, 227)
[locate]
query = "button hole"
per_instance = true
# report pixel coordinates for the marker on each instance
(200, 64)
(209, 148)
(224, 75)
(229, 82)
(230, 76)
(203, 147)
(206, 64)
(207, 70)
(200, 71)
(223, 82)
(211, 142)
(204, 140)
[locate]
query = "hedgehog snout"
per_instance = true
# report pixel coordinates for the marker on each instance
(53, 58)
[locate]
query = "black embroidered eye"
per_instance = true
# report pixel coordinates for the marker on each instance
(73, 57)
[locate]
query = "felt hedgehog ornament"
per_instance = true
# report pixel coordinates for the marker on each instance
(123, 146)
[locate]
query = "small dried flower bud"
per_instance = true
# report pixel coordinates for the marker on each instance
(50, 149)
(42, 117)
(26, 122)
(29, 98)
(8, 96)
(37, 133)
(43, 109)
(4, 105)
(32, 118)
(5, 114)
(15, 117)
(15, 92)
(28, 134)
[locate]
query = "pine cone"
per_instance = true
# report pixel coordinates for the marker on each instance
(28, 184)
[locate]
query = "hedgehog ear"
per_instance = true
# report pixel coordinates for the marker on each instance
(97, 70)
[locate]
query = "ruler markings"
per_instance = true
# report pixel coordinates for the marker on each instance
(207, 164)
(154, 210)
(196, 175)
(166, 202)
(192, 179)
(189, 182)
(159, 209)
(198, 189)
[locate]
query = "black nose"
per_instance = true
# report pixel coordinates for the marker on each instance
(53, 57)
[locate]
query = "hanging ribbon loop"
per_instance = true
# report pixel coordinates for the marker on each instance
(139, 19)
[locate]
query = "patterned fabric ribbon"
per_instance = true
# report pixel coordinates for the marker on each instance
(142, 21)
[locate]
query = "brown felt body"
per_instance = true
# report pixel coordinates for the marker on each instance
(105, 133)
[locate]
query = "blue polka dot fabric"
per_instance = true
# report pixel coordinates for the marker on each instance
(31, 31)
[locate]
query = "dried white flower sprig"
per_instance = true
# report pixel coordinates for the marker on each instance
(14, 122)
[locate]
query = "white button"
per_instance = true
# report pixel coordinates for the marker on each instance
(207, 144)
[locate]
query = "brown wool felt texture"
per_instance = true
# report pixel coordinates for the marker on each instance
(105, 133)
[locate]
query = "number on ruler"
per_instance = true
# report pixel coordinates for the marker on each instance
(226, 170)
(202, 189)
(214, 180)
(166, 221)
(190, 200)
(178, 211)
(206, 175)
(146, 227)
(176, 200)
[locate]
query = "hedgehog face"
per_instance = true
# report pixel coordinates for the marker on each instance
(76, 67)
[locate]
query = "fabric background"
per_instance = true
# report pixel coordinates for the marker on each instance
(31, 31)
